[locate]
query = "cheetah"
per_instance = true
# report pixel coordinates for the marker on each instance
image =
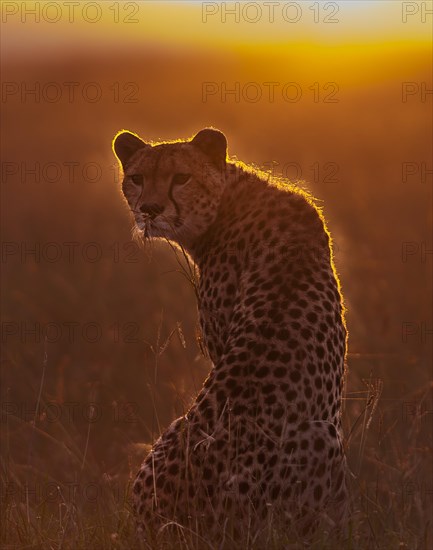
(263, 437)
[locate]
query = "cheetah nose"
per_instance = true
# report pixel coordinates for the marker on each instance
(152, 210)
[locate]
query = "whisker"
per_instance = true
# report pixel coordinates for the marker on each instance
(191, 274)
(142, 235)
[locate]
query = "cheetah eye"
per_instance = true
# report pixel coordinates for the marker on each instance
(137, 179)
(180, 179)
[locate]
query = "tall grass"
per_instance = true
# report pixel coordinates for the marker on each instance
(77, 416)
(56, 494)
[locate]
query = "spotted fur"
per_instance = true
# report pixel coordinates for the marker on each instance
(263, 437)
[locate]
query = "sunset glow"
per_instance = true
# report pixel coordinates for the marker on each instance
(102, 344)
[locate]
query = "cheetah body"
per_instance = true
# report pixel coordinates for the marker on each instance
(263, 436)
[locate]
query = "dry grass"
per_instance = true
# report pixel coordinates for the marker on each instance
(75, 413)
(83, 506)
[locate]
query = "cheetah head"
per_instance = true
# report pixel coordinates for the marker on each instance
(173, 189)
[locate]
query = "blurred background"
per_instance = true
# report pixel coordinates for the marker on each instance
(100, 345)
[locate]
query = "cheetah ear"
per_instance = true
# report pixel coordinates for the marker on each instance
(213, 143)
(125, 144)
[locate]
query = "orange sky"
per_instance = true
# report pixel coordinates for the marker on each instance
(55, 27)
(352, 41)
